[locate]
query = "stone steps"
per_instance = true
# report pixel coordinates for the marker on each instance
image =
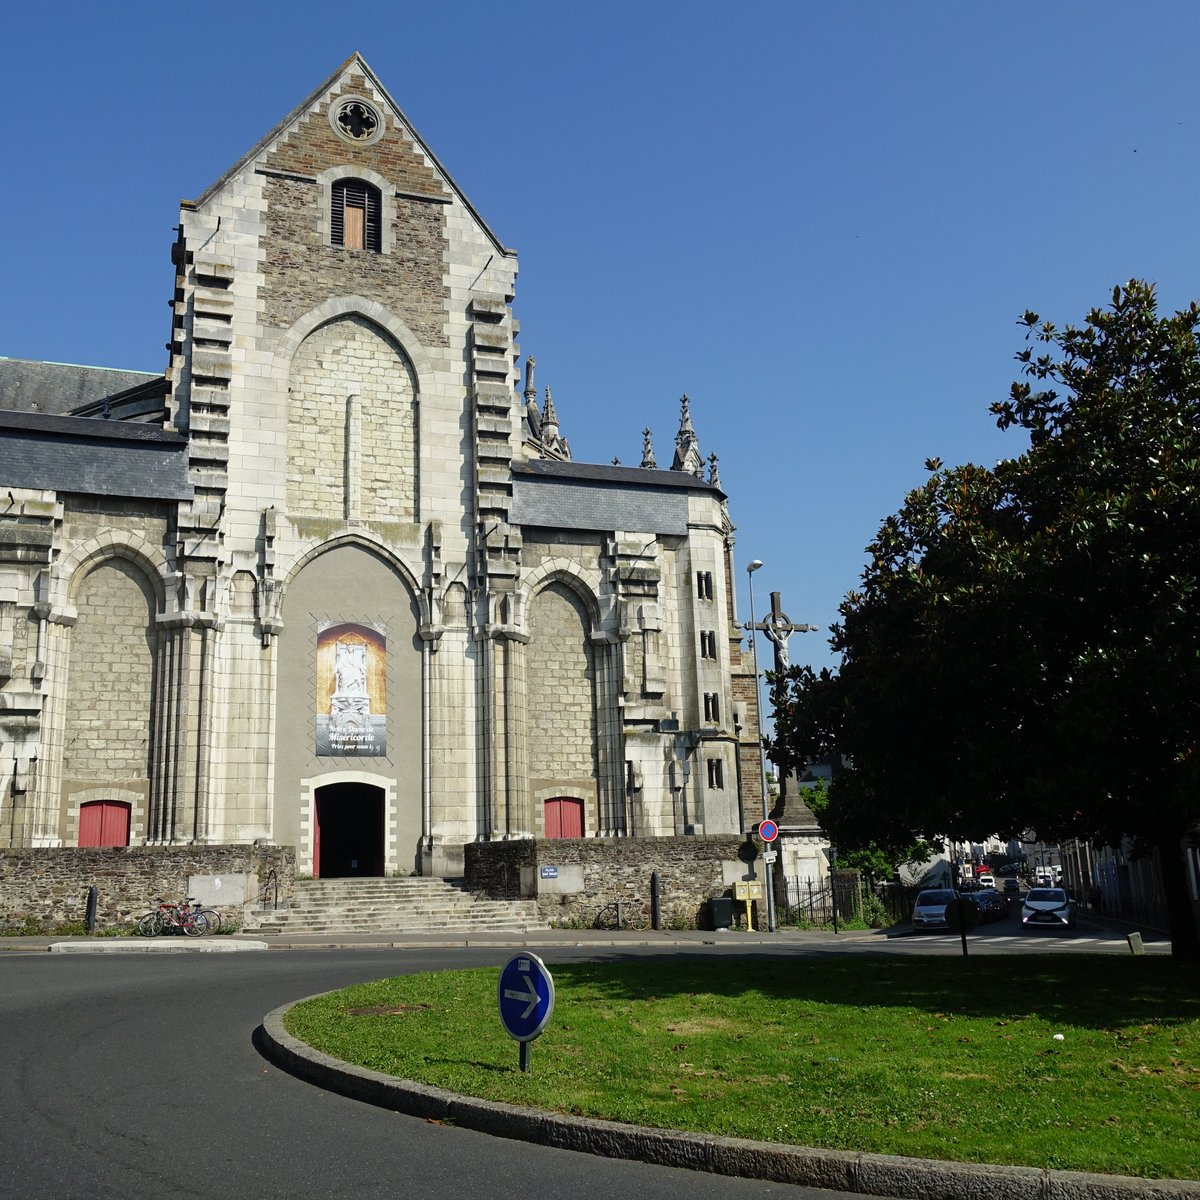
(405, 905)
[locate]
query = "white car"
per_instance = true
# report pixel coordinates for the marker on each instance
(1048, 907)
(987, 880)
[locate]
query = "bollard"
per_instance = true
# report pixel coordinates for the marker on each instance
(655, 902)
(93, 892)
(1135, 943)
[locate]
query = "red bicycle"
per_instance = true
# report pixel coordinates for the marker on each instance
(174, 916)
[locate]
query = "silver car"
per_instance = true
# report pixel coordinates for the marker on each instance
(1048, 907)
(929, 912)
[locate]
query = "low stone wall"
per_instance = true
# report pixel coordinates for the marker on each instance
(48, 887)
(575, 879)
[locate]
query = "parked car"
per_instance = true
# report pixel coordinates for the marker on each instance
(929, 911)
(1048, 907)
(992, 905)
(987, 880)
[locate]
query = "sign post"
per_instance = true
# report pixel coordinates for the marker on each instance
(962, 915)
(525, 995)
(768, 831)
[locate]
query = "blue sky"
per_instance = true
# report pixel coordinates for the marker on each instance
(821, 221)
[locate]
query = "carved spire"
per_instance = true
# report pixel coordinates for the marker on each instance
(530, 387)
(550, 417)
(554, 445)
(648, 451)
(714, 476)
(533, 414)
(687, 445)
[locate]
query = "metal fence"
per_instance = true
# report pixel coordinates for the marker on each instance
(810, 901)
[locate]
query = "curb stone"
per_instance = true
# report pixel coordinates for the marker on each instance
(153, 946)
(836, 1170)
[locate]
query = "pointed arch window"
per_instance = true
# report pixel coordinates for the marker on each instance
(355, 215)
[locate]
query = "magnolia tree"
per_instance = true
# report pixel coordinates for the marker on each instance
(1024, 649)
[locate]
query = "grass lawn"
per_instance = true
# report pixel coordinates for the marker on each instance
(934, 1057)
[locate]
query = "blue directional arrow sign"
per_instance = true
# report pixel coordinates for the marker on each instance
(526, 996)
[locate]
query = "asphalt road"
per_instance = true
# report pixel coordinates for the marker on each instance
(131, 1076)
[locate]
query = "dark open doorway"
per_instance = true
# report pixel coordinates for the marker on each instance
(348, 839)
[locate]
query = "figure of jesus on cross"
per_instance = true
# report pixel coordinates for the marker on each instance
(778, 627)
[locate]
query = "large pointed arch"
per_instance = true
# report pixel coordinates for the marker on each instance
(564, 670)
(72, 568)
(352, 397)
(364, 539)
(351, 584)
(370, 310)
(583, 584)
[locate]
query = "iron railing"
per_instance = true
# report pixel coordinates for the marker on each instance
(811, 902)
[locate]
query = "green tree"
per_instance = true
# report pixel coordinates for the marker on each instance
(1024, 648)
(879, 862)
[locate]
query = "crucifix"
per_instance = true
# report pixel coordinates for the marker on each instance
(778, 627)
(792, 815)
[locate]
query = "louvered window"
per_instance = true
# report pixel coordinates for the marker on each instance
(355, 215)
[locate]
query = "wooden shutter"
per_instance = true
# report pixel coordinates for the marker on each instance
(353, 237)
(355, 218)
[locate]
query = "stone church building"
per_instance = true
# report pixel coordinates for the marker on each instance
(335, 580)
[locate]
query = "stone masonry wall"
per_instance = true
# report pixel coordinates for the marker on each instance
(561, 673)
(50, 886)
(690, 870)
(109, 686)
(301, 271)
(345, 357)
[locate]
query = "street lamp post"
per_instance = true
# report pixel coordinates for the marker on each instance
(762, 759)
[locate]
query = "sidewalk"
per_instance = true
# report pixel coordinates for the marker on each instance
(399, 940)
(544, 938)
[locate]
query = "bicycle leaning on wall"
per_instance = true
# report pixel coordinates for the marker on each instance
(170, 916)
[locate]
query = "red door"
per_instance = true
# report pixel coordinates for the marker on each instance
(104, 823)
(564, 817)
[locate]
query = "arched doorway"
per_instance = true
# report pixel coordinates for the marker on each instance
(348, 831)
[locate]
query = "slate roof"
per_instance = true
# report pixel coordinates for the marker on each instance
(598, 473)
(93, 456)
(27, 385)
(587, 496)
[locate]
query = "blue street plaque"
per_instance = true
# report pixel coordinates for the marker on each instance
(526, 996)
(549, 872)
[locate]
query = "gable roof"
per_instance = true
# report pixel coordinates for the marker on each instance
(354, 62)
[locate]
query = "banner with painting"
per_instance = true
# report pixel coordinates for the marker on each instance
(351, 690)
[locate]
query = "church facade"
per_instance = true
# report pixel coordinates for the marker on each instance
(335, 580)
